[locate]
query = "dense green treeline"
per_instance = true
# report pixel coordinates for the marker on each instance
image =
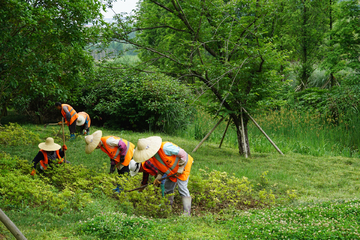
(220, 56)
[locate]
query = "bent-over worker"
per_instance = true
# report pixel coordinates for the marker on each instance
(169, 159)
(70, 116)
(119, 150)
(49, 154)
(84, 122)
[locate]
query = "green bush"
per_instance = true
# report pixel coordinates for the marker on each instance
(146, 102)
(115, 225)
(13, 134)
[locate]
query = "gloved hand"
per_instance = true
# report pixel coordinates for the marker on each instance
(33, 172)
(157, 181)
(112, 168)
(85, 132)
(64, 147)
(59, 123)
(181, 167)
(119, 166)
(180, 170)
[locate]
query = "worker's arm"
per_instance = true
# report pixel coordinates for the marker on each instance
(68, 116)
(170, 150)
(36, 160)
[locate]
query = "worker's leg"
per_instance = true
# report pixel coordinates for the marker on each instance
(72, 129)
(169, 188)
(185, 195)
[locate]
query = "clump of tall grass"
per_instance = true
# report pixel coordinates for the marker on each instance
(292, 131)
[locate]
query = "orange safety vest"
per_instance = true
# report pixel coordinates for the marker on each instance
(170, 164)
(86, 116)
(45, 162)
(114, 152)
(72, 113)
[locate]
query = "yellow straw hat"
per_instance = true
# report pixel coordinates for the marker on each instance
(92, 141)
(80, 120)
(146, 148)
(49, 145)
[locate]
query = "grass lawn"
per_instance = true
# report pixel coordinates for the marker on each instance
(323, 184)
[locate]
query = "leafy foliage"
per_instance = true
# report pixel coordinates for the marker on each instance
(43, 48)
(144, 102)
(13, 134)
(115, 225)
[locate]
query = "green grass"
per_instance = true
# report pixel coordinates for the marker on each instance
(323, 184)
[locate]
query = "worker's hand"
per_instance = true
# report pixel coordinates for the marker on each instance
(59, 123)
(85, 132)
(180, 170)
(64, 147)
(33, 172)
(157, 181)
(119, 166)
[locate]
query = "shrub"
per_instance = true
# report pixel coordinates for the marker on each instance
(153, 102)
(13, 134)
(115, 225)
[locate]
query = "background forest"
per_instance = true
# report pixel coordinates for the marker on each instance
(176, 69)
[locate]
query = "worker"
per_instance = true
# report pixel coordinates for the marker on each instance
(146, 168)
(84, 122)
(119, 150)
(49, 154)
(169, 159)
(70, 116)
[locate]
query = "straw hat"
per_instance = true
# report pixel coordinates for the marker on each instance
(92, 141)
(134, 167)
(49, 145)
(80, 120)
(146, 148)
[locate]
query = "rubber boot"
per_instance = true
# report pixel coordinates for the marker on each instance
(187, 205)
(171, 200)
(162, 186)
(72, 136)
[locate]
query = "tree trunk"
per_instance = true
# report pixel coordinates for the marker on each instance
(240, 137)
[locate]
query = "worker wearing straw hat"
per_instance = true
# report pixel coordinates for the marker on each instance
(50, 153)
(119, 150)
(84, 122)
(169, 159)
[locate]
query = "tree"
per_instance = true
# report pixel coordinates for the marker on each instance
(302, 30)
(42, 47)
(221, 44)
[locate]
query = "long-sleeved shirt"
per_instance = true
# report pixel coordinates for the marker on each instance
(112, 142)
(51, 156)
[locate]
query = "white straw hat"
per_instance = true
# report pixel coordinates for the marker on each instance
(134, 167)
(49, 145)
(92, 141)
(146, 148)
(80, 120)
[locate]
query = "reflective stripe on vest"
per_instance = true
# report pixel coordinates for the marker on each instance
(161, 162)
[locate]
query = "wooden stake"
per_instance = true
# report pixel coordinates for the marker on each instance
(257, 125)
(62, 126)
(222, 139)
(207, 135)
(11, 226)
(243, 135)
